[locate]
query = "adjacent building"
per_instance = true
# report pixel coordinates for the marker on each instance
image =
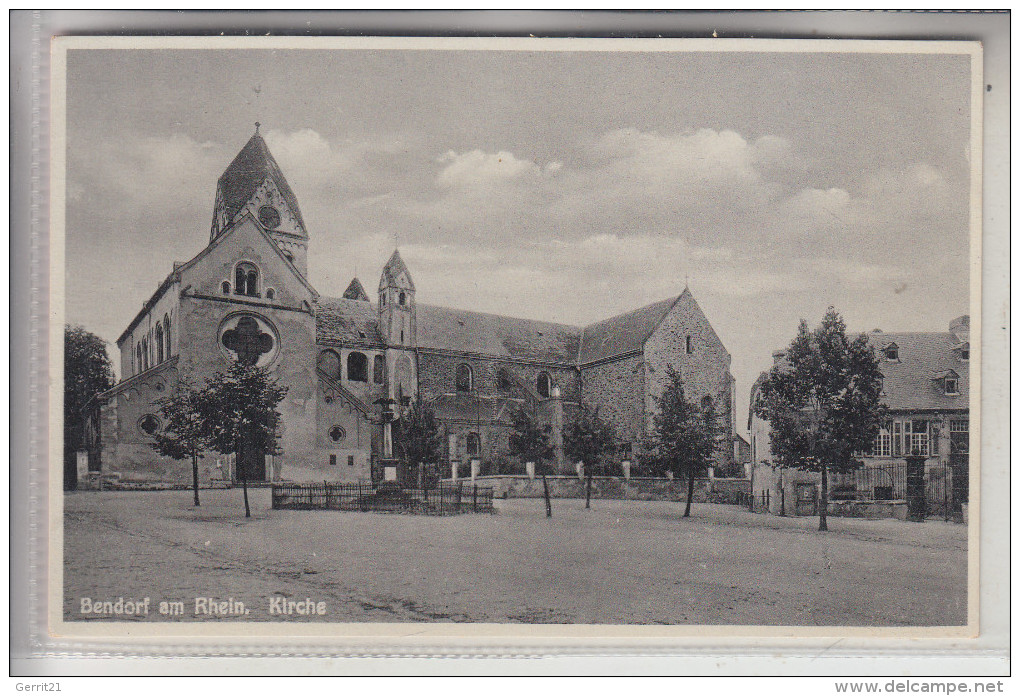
(926, 387)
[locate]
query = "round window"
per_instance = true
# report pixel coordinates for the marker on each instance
(148, 424)
(336, 433)
(269, 217)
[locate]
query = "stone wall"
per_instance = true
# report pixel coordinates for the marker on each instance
(617, 389)
(614, 487)
(437, 375)
(705, 369)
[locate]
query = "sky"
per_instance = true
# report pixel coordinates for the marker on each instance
(562, 186)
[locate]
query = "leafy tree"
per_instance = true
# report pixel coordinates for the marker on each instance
(532, 443)
(87, 372)
(238, 409)
(685, 437)
(184, 434)
(418, 436)
(591, 440)
(823, 401)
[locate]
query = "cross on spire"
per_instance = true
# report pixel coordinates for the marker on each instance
(257, 124)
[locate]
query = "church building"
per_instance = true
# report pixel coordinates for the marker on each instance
(352, 363)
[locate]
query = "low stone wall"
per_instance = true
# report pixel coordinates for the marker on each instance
(706, 490)
(868, 509)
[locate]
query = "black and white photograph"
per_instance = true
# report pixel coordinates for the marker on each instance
(664, 336)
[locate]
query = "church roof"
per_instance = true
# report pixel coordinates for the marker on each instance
(351, 322)
(624, 333)
(499, 336)
(393, 268)
(356, 291)
(246, 173)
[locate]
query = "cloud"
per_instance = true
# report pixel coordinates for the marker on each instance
(479, 170)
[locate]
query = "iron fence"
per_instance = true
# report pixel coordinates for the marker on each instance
(942, 497)
(443, 499)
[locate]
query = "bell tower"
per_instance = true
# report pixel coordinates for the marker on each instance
(254, 184)
(397, 313)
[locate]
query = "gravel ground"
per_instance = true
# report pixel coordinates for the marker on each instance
(622, 562)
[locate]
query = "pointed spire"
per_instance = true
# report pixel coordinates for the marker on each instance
(242, 178)
(393, 268)
(356, 291)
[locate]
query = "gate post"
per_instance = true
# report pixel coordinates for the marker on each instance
(916, 503)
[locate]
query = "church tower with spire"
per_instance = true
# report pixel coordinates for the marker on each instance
(397, 319)
(253, 184)
(398, 324)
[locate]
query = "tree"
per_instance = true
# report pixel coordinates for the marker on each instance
(238, 409)
(531, 443)
(87, 372)
(589, 439)
(184, 432)
(418, 437)
(685, 437)
(823, 401)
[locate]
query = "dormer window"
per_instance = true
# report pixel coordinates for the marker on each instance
(949, 381)
(891, 352)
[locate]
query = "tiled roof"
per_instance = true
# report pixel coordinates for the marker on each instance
(499, 336)
(351, 322)
(356, 291)
(623, 333)
(913, 381)
(246, 173)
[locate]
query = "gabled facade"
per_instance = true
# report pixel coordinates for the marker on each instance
(348, 362)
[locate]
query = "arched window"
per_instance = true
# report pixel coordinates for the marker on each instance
(166, 334)
(402, 299)
(357, 367)
(689, 346)
(225, 287)
(138, 358)
(159, 344)
(145, 354)
(329, 362)
(504, 382)
(474, 444)
(246, 280)
(544, 385)
(465, 380)
(379, 369)
(270, 294)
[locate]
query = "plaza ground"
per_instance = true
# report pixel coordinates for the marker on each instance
(622, 562)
